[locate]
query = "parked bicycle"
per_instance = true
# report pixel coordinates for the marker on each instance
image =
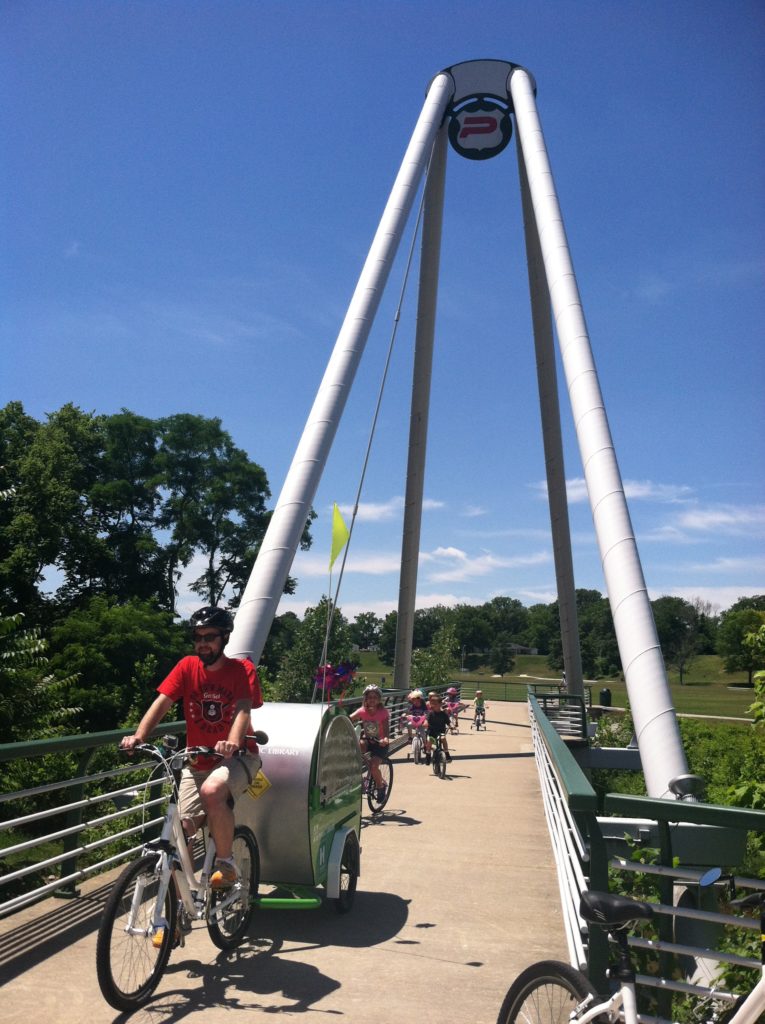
(552, 992)
(157, 899)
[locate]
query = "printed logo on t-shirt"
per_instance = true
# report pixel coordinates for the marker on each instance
(212, 710)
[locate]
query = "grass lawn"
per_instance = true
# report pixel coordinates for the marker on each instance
(707, 689)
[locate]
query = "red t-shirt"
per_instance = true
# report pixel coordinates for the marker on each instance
(209, 699)
(254, 681)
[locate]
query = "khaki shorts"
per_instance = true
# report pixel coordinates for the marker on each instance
(236, 772)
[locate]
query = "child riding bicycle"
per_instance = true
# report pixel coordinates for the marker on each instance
(374, 719)
(438, 725)
(416, 711)
(453, 707)
(479, 708)
(218, 694)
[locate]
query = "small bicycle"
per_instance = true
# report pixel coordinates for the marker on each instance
(479, 720)
(552, 992)
(156, 899)
(376, 798)
(418, 724)
(438, 757)
(453, 710)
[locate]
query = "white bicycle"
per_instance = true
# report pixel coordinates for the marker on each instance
(156, 899)
(552, 992)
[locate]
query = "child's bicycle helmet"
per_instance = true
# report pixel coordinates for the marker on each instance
(415, 695)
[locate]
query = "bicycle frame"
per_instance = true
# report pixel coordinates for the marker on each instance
(175, 866)
(752, 1009)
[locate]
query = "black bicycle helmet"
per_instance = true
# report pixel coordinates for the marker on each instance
(217, 618)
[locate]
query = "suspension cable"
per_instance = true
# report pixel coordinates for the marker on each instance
(394, 331)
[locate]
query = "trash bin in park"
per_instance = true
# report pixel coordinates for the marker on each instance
(605, 697)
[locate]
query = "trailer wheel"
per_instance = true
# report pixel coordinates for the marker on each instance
(349, 873)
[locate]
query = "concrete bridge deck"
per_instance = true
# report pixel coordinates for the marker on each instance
(457, 894)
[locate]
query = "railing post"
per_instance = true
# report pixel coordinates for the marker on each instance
(73, 818)
(665, 923)
(597, 940)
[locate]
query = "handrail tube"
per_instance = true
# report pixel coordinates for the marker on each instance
(7, 851)
(51, 812)
(680, 810)
(581, 795)
(58, 744)
(23, 899)
(68, 854)
(51, 787)
(679, 947)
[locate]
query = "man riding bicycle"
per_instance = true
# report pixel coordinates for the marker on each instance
(218, 694)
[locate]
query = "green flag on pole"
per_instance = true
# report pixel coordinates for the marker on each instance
(340, 535)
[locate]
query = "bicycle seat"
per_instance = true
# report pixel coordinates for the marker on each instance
(608, 909)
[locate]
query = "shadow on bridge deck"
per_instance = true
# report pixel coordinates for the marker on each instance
(457, 894)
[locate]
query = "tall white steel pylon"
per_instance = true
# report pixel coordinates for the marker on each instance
(479, 99)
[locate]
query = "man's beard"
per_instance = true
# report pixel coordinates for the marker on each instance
(210, 657)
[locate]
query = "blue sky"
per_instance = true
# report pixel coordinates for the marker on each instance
(189, 191)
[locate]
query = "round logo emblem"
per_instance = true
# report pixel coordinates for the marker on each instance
(480, 129)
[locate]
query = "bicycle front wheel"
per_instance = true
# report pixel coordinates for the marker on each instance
(545, 993)
(228, 917)
(378, 798)
(130, 956)
(417, 749)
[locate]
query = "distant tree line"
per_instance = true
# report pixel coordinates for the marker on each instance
(490, 634)
(101, 514)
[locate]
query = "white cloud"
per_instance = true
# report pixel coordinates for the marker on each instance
(723, 518)
(473, 512)
(372, 563)
(635, 490)
(384, 511)
(730, 566)
(464, 566)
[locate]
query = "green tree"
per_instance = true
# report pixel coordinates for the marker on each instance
(543, 627)
(755, 642)
(735, 625)
(434, 666)
(387, 641)
(507, 615)
(103, 643)
(365, 630)
(294, 681)
(600, 651)
(280, 641)
(474, 632)
(32, 699)
(124, 500)
(48, 523)
(501, 655)
(677, 624)
(214, 504)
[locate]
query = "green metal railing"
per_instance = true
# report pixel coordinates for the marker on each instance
(69, 818)
(684, 838)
